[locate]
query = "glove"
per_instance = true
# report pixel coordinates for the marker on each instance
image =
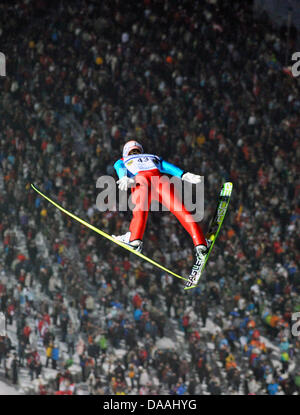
(191, 178)
(125, 182)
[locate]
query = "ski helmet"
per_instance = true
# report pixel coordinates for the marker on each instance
(131, 145)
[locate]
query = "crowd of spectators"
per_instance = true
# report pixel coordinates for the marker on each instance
(202, 85)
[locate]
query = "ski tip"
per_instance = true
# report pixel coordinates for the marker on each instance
(228, 185)
(34, 187)
(188, 288)
(226, 189)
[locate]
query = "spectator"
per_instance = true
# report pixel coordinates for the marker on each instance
(91, 382)
(2, 349)
(55, 356)
(83, 364)
(49, 351)
(273, 387)
(131, 375)
(70, 340)
(204, 312)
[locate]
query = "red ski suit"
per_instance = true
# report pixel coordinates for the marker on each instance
(153, 185)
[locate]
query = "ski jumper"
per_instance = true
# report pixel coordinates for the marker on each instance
(148, 171)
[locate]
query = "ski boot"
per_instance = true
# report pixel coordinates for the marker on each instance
(200, 254)
(137, 244)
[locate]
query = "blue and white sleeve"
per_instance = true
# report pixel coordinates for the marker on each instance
(168, 168)
(120, 168)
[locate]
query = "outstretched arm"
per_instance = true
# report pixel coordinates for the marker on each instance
(124, 181)
(170, 168)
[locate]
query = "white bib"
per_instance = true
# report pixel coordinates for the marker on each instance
(141, 162)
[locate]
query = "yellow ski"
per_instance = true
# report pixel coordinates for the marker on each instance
(106, 235)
